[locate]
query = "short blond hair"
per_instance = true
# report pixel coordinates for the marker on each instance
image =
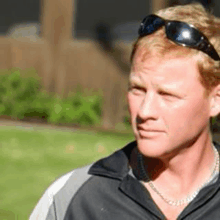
(157, 44)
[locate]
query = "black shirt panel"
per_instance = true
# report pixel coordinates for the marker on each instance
(101, 199)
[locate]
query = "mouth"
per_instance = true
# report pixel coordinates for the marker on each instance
(149, 132)
(149, 129)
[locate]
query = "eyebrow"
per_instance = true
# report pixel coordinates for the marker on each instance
(168, 87)
(136, 80)
(171, 90)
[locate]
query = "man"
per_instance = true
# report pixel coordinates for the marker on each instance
(171, 171)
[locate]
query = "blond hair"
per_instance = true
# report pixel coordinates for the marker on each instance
(157, 44)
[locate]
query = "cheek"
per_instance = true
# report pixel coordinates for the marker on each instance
(193, 115)
(199, 107)
(200, 113)
(133, 105)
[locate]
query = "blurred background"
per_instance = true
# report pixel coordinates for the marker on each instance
(64, 66)
(73, 46)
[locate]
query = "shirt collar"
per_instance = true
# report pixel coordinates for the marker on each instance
(116, 165)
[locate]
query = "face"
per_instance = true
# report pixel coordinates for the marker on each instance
(168, 108)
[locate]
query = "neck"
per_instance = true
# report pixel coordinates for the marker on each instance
(183, 172)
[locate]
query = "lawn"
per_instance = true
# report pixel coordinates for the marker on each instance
(32, 158)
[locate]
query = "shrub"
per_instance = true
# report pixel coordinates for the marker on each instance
(78, 108)
(21, 96)
(17, 92)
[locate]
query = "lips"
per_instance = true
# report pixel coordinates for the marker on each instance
(148, 132)
(148, 129)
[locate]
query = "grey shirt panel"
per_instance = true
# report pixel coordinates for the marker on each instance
(55, 201)
(64, 196)
(51, 213)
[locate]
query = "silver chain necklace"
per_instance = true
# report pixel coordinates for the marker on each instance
(189, 198)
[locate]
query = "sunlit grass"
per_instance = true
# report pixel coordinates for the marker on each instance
(32, 158)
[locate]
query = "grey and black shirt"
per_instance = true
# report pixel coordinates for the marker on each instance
(110, 190)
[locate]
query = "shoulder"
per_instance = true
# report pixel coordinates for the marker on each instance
(73, 178)
(83, 184)
(60, 192)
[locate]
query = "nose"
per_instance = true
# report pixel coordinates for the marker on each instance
(148, 109)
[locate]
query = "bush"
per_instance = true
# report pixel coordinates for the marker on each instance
(17, 92)
(21, 96)
(78, 108)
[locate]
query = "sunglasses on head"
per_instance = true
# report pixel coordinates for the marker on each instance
(180, 33)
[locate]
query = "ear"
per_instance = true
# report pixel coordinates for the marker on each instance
(215, 101)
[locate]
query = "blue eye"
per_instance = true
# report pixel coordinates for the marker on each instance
(137, 90)
(168, 96)
(165, 94)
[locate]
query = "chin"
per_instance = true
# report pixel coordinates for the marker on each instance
(152, 148)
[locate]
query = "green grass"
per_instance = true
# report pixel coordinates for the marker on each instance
(32, 158)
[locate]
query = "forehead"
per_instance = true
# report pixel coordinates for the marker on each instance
(177, 73)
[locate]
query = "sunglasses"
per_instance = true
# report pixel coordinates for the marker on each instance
(180, 33)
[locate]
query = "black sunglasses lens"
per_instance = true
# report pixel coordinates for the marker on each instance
(150, 24)
(182, 33)
(179, 32)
